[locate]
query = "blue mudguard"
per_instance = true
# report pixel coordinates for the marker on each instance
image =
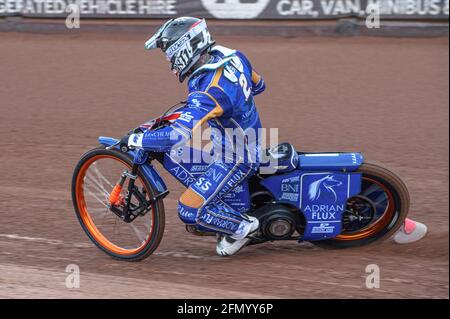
(139, 157)
(320, 196)
(347, 162)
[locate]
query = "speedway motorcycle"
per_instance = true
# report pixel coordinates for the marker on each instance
(333, 200)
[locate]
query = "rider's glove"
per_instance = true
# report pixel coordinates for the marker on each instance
(131, 140)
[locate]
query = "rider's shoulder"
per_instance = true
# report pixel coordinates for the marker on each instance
(200, 81)
(231, 54)
(222, 51)
(220, 57)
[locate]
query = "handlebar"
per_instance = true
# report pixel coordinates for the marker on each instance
(153, 124)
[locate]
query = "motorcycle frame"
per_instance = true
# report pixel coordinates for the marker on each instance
(292, 188)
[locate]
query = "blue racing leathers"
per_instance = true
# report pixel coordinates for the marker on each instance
(221, 95)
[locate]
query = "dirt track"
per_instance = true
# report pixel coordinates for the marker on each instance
(385, 97)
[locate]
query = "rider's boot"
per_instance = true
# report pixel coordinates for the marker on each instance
(410, 232)
(228, 245)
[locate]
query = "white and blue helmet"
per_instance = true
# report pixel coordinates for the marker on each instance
(184, 40)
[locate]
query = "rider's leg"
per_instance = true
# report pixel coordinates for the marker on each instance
(201, 204)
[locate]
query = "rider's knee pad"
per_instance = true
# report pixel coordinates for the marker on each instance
(191, 199)
(189, 206)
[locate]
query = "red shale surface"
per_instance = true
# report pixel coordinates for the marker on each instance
(387, 98)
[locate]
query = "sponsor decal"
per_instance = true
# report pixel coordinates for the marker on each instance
(249, 113)
(185, 213)
(203, 185)
(214, 174)
(198, 168)
(323, 201)
(219, 222)
(354, 159)
(230, 73)
(234, 197)
(323, 228)
(290, 189)
(135, 140)
(322, 186)
(230, 9)
(238, 189)
(196, 103)
(232, 181)
(323, 211)
(324, 196)
(292, 197)
(237, 63)
(291, 179)
(183, 176)
(177, 45)
(186, 117)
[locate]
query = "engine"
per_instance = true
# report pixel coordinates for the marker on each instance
(277, 221)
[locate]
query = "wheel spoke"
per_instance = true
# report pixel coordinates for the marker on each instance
(101, 176)
(95, 196)
(97, 185)
(380, 200)
(137, 232)
(372, 189)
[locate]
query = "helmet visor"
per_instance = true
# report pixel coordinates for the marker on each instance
(154, 41)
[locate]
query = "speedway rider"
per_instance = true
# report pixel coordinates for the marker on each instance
(221, 84)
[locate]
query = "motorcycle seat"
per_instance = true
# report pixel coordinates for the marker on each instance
(347, 162)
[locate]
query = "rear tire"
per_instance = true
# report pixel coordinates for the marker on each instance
(399, 197)
(89, 226)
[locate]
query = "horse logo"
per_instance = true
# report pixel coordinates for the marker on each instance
(323, 185)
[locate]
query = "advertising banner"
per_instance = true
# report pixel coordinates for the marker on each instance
(231, 9)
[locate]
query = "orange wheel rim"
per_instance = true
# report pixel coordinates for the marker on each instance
(380, 224)
(89, 223)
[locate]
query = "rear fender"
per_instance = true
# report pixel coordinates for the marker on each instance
(345, 162)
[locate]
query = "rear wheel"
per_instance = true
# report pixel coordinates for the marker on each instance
(94, 179)
(376, 213)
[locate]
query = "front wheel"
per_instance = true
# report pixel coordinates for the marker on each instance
(376, 213)
(93, 181)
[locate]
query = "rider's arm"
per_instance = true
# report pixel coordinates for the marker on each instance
(200, 107)
(258, 83)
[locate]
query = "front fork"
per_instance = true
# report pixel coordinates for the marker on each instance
(123, 207)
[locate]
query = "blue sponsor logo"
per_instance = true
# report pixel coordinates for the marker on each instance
(323, 228)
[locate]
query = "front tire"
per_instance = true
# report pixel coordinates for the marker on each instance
(389, 197)
(93, 180)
